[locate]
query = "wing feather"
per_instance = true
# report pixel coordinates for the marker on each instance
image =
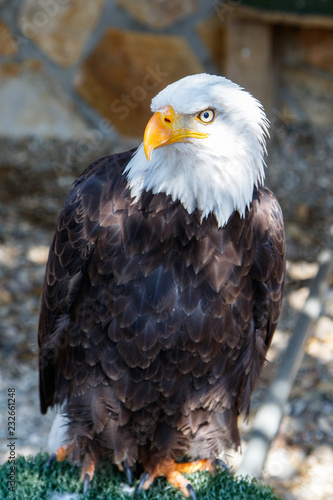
(70, 252)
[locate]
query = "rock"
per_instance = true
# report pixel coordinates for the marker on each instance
(8, 43)
(302, 270)
(32, 104)
(324, 453)
(60, 28)
(127, 69)
(322, 349)
(297, 298)
(38, 254)
(157, 14)
(324, 330)
(281, 463)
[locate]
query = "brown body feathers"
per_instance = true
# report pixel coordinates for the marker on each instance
(154, 324)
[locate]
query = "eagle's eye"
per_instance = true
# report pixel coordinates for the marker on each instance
(206, 116)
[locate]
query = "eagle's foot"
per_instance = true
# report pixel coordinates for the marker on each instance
(59, 455)
(87, 471)
(173, 472)
(86, 483)
(50, 461)
(219, 463)
(128, 471)
(129, 475)
(191, 491)
(62, 453)
(88, 466)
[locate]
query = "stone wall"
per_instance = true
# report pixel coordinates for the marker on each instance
(68, 67)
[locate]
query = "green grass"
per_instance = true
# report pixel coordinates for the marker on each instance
(35, 481)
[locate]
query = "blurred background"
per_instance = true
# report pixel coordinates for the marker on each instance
(76, 80)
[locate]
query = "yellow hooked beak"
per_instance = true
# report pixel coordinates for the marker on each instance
(165, 127)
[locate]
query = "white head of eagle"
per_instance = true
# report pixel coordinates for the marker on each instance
(214, 133)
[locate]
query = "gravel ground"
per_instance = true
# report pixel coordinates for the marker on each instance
(34, 181)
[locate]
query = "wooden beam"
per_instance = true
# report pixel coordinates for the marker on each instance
(248, 57)
(283, 17)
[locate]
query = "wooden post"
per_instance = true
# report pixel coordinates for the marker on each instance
(248, 57)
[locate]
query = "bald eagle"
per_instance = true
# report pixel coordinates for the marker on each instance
(163, 289)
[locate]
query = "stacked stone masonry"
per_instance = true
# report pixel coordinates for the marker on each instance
(106, 59)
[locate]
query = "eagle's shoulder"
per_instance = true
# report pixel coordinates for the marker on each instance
(95, 203)
(268, 227)
(109, 165)
(103, 179)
